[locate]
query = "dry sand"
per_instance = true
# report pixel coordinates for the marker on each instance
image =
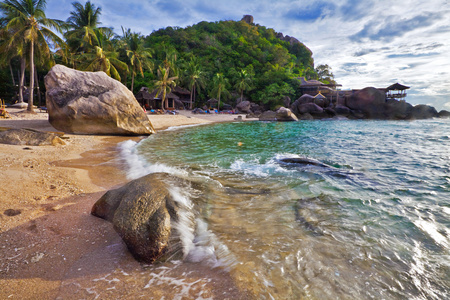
(49, 242)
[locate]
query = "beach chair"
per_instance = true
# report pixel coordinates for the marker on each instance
(3, 113)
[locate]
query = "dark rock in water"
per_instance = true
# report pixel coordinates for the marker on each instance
(306, 117)
(357, 114)
(310, 108)
(141, 212)
(284, 114)
(301, 161)
(444, 114)
(422, 111)
(268, 116)
(342, 110)
(398, 110)
(29, 137)
(303, 221)
(368, 100)
(330, 112)
(92, 103)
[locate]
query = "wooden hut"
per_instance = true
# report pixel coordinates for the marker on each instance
(396, 91)
(150, 101)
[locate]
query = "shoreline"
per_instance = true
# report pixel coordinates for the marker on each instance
(46, 194)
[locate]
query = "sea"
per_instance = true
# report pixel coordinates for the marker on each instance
(331, 209)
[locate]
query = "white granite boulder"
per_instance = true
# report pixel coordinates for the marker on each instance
(92, 103)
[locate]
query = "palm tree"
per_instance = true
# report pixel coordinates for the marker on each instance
(27, 20)
(220, 87)
(195, 79)
(138, 56)
(243, 82)
(164, 85)
(82, 22)
(102, 57)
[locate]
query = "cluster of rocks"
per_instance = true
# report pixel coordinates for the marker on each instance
(368, 103)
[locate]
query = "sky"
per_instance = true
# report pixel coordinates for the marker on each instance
(365, 42)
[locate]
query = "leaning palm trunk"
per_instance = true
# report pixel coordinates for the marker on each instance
(132, 81)
(21, 79)
(30, 100)
(38, 92)
(192, 91)
(12, 74)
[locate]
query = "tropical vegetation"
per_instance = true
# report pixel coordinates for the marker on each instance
(227, 60)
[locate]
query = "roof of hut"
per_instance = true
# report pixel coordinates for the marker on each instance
(305, 82)
(397, 86)
(180, 90)
(319, 96)
(144, 94)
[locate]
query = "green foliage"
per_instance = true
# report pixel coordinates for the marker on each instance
(228, 47)
(324, 74)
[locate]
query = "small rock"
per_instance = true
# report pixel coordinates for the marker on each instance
(12, 212)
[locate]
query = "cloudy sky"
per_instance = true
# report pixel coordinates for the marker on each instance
(366, 42)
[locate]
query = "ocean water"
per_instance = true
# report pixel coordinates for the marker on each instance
(370, 219)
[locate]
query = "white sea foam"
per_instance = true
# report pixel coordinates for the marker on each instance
(432, 230)
(255, 168)
(137, 166)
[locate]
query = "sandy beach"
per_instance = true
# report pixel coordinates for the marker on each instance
(49, 241)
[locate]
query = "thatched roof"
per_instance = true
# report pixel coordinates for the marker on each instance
(180, 90)
(397, 87)
(171, 95)
(143, 94)
(310, 83)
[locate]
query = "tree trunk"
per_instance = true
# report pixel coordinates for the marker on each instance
(38, 92)
(218, 104)
(30, 100)
(190, 104)
(242, 95)
(12, 74)
(132, 81)
(21, 78)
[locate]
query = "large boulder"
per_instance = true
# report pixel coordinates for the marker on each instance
(92, 103)
(342, 110)
(142, 212)
(310, 108)
(423, 111)
(285, 114)
(444, 114)
(244, 107)
(29, 137)
(370, 101)
(268, 116)
(398, 110)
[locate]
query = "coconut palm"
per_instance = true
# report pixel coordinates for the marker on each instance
(82, 22)
(139, 57)
(27, 21)
(243, 82)
(220, 87)
(164, 85)
(102, 57)
(195, 78)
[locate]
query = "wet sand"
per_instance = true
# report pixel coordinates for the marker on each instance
(50, 245)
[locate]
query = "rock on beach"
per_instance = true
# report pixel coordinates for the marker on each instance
(92, 103)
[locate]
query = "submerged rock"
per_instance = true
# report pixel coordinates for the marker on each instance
(92, 103)
(142, 212)
(268, 116)
(422, 111)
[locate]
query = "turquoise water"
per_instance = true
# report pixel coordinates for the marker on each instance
(371, 222)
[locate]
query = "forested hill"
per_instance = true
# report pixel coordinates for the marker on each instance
(270, 60)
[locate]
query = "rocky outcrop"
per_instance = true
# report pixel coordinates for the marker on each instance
(310, 108)
(284, 114)
(92, 103)
(397, 110)
(368, 100)
(244, 107)
(268, 116)
(247, 19)
(444, 114)
(29, 137)
(142, 212)
(422, 111)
